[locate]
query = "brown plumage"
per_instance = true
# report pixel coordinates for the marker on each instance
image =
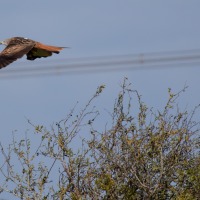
(17, 47)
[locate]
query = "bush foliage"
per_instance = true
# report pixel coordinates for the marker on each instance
(140, 154)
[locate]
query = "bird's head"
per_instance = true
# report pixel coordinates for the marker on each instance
(2, 42)
(5, 42)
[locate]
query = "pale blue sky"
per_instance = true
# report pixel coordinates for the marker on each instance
(95, 28)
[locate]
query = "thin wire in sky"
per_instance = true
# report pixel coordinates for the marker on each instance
(146, 61)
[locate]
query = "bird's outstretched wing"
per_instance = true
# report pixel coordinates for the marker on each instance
(13, 52)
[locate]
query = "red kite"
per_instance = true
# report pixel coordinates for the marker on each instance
(16, 47)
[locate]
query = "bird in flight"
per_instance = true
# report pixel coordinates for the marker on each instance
(17, 47)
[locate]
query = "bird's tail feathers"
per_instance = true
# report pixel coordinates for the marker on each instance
(53, 49)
